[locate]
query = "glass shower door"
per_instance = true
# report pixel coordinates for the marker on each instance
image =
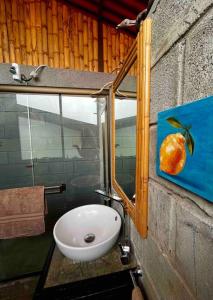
(18, 256)
(48, 140)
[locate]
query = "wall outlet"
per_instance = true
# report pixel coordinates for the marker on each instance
(15, 70)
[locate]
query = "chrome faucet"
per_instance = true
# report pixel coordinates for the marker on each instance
(109, 196)
(125, 245)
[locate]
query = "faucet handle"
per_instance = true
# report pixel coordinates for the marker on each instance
(101, 192)
(115, 197)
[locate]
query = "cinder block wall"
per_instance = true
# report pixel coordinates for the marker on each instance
(177, 256)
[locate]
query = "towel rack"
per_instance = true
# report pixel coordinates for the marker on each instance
(57, 189)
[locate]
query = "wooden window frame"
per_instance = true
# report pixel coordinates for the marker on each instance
(140, 53)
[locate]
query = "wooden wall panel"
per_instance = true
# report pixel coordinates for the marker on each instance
(34, 32)
(116, 45)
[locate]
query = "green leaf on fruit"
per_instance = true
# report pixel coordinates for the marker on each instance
(175, 123)
(189, 139)
(190, 143)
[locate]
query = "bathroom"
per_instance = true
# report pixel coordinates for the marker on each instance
(55, 132)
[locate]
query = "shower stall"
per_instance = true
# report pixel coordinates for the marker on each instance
(48, 140)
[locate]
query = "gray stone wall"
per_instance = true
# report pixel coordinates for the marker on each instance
(177, 256)
(61, 78)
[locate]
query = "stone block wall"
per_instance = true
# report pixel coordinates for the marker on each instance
(177, 256)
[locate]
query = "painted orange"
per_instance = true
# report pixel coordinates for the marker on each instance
(173, 154)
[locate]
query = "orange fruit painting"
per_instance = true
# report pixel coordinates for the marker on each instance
(184, 148)
(173, 154)
(173, 148)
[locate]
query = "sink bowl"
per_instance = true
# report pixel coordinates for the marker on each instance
(87, 232)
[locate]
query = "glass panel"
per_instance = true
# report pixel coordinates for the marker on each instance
(15, 155)
(81, 130)
(48, 140)
(125, 135)
(22, 255)
(45, 124)
(47, 150)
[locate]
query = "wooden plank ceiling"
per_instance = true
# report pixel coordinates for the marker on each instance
(112, 12)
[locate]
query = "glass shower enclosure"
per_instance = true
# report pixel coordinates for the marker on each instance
(48, 139)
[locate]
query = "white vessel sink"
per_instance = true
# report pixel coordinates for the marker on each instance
(88, 232)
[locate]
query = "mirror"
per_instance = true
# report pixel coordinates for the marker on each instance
(125, 134)
(130, 102)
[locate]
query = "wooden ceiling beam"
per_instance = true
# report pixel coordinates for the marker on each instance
(136, 8)
(121, 8)
(115, 21)
(136, 3)
(107, 18)
(85, 5)
(111, 16)
(118, 10)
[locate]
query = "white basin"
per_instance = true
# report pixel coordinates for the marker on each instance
(88, 232)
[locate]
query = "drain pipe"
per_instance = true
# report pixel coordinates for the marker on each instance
(136, 293)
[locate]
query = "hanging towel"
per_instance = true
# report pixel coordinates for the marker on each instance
(22, 212)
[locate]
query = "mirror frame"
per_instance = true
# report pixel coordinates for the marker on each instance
(140, 52)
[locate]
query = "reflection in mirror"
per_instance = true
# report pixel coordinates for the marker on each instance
(125, 135)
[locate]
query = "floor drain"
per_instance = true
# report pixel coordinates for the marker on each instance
(89, 238)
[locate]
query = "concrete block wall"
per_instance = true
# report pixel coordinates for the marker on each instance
(177, 256)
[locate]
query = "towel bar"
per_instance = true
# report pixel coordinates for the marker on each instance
(57, 189)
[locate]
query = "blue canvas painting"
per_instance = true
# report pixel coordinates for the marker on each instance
(185, 146)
